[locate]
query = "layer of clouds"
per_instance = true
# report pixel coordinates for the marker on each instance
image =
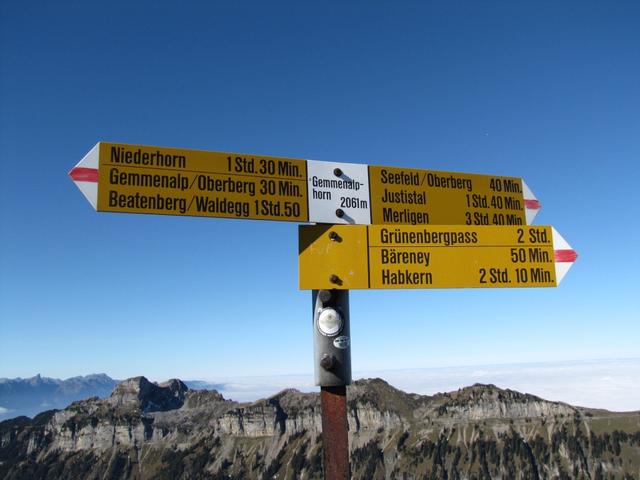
(609, 384)
(248, 389)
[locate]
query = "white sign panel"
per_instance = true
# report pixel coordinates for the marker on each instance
(338, 192)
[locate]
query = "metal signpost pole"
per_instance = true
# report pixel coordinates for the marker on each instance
(334, 432)
(332, 364)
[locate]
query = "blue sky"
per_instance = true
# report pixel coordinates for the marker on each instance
(546, 91)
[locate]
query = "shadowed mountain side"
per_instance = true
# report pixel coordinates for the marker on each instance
(144, 430)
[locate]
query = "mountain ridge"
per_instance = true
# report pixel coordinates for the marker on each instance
(30, 396)
(148, 430)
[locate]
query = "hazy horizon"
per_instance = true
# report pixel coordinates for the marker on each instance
(611, 384)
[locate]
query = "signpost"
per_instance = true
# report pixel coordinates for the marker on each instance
(117, 177)
(392, 257)
(383, 227)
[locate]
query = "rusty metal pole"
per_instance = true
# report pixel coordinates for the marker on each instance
(334, 432)
(332, 364)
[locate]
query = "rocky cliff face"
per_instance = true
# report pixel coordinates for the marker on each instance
(144, 430)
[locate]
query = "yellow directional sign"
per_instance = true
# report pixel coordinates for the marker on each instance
(141, 179)
(386, 257)
(422, 197)
(117, 177)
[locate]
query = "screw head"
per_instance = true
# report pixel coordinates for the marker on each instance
(333, 236)
(337, 172)
(334, 279)
(327, 361)
(339, 213)
(325, 295)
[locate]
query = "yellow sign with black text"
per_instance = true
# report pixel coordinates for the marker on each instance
(117, 177)
(156, 180)
(391, 257)
(421, 197)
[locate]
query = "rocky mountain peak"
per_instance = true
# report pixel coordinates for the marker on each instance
(176, 386)
(482, 393)
(147, 396)
(375, 391)
(39, 380)
(483, 401)
(292, 400)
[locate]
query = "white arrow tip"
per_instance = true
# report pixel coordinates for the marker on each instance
(85, 175)
(564, 255)
(531, 203)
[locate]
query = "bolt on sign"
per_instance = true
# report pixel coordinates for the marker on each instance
(117, 177)
(405, 256)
